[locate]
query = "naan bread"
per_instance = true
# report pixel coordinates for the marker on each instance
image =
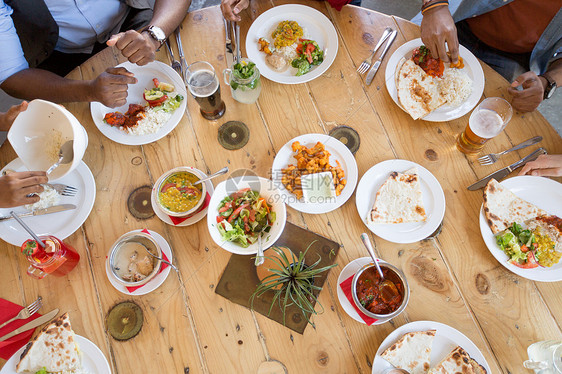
(458, 361)
(53, 348)
(502, 207)
(412, 352)
(418, 92)
(399, 199)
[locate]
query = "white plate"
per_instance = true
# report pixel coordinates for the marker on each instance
(349, 270)
(93, 359)
(61, 224)
(144, 75)
(446, 112)
(190, 221)
(547, 195)
(446, 339)
(268, 191)
(316, 26)
(154, 283)
(338, 151)
(432, 195)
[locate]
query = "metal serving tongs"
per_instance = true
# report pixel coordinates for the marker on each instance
(183, 62)
(236, 32)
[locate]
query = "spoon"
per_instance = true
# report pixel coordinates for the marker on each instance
(161, 259)
(220, 172)
(27, 229)
(66, 155)
(386, 287)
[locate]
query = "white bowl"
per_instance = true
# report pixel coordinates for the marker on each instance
(268, 191)
(37, 134)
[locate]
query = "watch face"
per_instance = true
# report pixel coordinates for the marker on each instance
(551, 91)
(157, 33)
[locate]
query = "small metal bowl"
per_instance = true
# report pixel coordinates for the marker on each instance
(405, 298)
(160, 183)
(143, 239)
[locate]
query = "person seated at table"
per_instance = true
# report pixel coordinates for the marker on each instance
(520, 39)
(43, 40)
(15, 187)
(544, 166)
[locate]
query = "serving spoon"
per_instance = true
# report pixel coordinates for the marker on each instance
(220, 172)
(386, 287)
(160, 258)
(66, 155)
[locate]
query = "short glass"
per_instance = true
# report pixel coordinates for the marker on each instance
(486, 121)
(204, 86)
(244, 90)
(59, 262)
(545, 357)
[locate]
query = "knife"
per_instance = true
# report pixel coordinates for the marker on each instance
(502, 173)
(377, 64)
(31, 325)
(229, 55)
(183, 63)
(40, 212)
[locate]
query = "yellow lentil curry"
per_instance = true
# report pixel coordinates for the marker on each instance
(286, 33)
(178, 194)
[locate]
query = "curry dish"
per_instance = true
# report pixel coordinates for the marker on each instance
(178, 194)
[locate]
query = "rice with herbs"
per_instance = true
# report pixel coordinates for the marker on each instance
(152, 122)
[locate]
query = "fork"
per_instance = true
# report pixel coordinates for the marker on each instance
(63, 189)
(26, 312)
(489, 159)
(175, 63)
(365, 65)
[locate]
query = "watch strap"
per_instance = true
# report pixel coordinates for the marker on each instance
(551, 85)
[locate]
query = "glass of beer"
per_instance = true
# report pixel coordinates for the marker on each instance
(486, 121)
(204, 85)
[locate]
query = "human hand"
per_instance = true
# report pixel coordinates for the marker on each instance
(544, 166)
(139, 48)
(438, 27)
(231, 9)
(7, 118)
(15, 187)
(110, 87)
(529, 98)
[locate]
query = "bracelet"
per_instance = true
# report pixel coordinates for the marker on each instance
(433, 4)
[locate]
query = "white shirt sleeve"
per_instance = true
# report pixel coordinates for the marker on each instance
(12, 59)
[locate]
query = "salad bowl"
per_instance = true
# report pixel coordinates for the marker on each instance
(232, 233)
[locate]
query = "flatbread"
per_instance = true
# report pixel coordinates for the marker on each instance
(54, 349)
(458, 361)
(399, 199)
(418, 93)
(411, 352)
(502, 207)
(478, 369)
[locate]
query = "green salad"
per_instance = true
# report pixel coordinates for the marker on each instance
(243, 216)
(520, 245)
(309, 54)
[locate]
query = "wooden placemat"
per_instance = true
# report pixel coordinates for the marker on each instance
(238, 288)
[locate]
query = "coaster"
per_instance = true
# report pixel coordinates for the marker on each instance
(347, 136)
(124, 321)
(139, 204)
(239, 289)
(233, 135)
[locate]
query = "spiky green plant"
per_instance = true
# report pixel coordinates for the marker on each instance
(295, 280)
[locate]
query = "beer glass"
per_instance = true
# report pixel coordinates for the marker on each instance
(204, 85)
(486, 121)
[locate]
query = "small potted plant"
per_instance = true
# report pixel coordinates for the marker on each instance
(291, 281)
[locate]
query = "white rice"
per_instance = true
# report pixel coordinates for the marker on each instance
(151, 123)
(289, 52)
(47, 198)
(455, 86)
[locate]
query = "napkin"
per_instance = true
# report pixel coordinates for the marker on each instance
(338, 4)
(346, 288)
(178, 220)
(162, 267)
(9, 310)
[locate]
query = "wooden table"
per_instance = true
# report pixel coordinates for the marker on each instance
(189, 329)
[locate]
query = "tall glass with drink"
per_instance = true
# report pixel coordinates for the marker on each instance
(204, 85)
(56, 258)
(486, 121)
(545, 357)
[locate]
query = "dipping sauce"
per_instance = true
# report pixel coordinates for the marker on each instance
(178, 194)
(132, 262)
(369, 295)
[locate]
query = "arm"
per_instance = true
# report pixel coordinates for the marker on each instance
(232, 8)
(438, 27)
(15, 188)
(532, 94)
(140, 48)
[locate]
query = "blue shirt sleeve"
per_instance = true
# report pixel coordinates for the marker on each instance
(12, 59)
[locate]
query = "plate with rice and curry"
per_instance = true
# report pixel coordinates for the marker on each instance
(430, 89)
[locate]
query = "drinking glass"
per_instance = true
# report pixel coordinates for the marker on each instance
(243, 90)
(204, 86)
(486, 121)
(58, 262)
(545, 357)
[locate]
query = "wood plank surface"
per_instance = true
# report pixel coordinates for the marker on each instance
(188, 328)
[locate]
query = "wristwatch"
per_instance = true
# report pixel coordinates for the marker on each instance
(157, 33)
(550, 86)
